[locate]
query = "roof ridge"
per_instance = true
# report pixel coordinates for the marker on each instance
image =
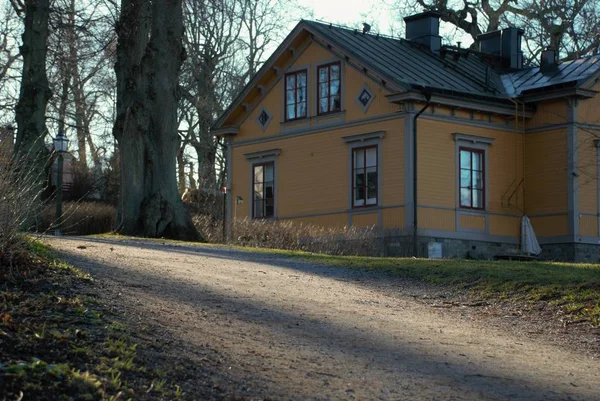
(348, 28)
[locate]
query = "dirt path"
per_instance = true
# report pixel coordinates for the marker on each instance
(285, 329)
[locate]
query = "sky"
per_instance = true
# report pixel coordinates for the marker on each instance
(354, 12)
(381, 14)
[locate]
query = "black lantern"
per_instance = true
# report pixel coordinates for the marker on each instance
(61, 143)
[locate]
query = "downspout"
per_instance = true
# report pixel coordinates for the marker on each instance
(427, 93)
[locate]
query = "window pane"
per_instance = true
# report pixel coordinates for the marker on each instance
(302, 80)
(291, 112)
(335, 72)
(478, 199)
(465, 159)
(359, 158)
(301, 95)
(269, 208)
(290, 97)
(335, 87)
(465, 178)
(269, 172)
(291, 81)
(323, 74)
(324, 90)
(477, 162)
(323, 105)
(258, 191)
(269, 191)
(301, 110)
(258, 174)
(359, 178)
(372, 157)
(477, 180)
(258, 208)
(359, 196)
(334, 105)
(465, 197)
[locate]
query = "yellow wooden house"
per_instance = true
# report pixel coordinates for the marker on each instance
(325, 134)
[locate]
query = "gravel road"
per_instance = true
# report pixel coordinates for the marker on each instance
(279, 328)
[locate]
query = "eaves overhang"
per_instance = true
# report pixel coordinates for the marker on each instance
(556, 93)
(499, 106)
(284, 46)
(225, 131)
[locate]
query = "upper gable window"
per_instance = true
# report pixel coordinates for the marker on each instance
(329, 88)
(295, 95)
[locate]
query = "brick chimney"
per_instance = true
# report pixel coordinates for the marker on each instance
(424, 29)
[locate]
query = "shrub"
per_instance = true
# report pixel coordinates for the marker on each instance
(81, 218)
(20, 201)
(294, 236)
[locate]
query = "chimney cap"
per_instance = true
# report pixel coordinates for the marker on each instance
(426, 14)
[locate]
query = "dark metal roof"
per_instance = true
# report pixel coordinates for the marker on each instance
(454, 69)
(575, 72)
(409, 64)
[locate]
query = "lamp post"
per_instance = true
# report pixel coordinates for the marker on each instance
(60, 147)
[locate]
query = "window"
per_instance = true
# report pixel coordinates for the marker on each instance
(295, 95)
(472, 178)
(364, 173)
(263, 183)
(329, 88)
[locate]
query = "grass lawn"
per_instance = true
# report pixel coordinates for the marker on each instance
(58, 344)
(576, 287)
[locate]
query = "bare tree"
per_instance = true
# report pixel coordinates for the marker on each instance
(35, 92)
(9, 57)
(149, 57)
(570, 26)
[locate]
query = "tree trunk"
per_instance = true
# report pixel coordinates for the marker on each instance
(149, 57)
(78, 96)
(35, 92)
(181, 170)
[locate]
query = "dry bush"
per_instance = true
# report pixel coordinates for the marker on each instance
(81, 218)
(293, 236)
(20, 201)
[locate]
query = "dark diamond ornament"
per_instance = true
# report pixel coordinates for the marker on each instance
(263, 118)
(364, 97)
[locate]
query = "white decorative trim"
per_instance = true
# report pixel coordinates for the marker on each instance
(473, 139)
(364, 137)
(262, 155)
(364, 88)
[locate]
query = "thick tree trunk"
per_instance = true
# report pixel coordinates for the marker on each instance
(35, 92)
(149, 56)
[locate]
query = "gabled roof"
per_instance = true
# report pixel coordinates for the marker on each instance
(574, 73)
(410, 66)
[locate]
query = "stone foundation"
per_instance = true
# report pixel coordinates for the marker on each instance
(571, 252)
(451, 248)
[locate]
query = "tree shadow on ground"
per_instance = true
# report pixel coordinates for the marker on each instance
(383, 353)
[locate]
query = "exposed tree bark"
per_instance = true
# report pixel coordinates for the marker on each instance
(181, 170)
(34, 93)
(149, 57)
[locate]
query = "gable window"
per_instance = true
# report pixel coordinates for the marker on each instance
(329, 88)
(263, 184)
(364, 173)
(295, 95)
(472, 178)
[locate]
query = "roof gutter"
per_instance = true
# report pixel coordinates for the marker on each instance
(455, 101)
(427, 93)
